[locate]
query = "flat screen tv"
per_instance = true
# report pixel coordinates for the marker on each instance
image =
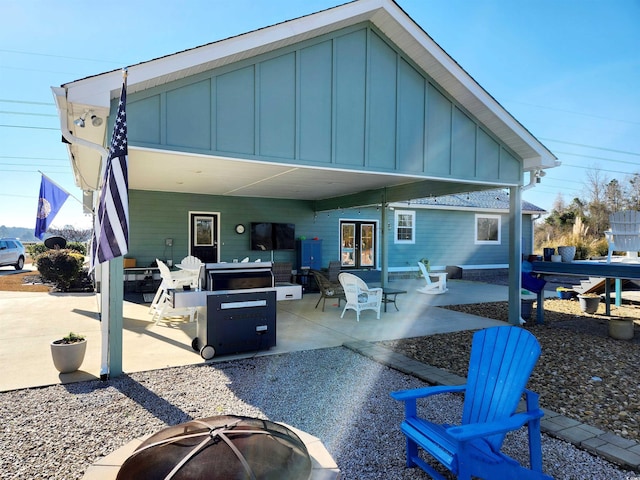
(273, 236)
(284, 236)
(261, 236)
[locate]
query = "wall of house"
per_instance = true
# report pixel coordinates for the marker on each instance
(446, 237)
(345, 100)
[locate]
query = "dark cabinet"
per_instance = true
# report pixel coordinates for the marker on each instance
(309, 254)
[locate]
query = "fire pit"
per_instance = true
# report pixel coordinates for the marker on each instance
(221, 447)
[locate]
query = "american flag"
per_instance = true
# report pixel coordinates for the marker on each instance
(111, 231)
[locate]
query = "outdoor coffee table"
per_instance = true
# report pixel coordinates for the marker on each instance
(389, 295)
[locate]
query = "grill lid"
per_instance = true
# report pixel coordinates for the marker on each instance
(221, 447)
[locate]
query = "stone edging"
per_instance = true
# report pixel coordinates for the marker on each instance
(618, 450)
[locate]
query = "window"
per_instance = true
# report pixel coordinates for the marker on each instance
(405, 225)
(488, 229)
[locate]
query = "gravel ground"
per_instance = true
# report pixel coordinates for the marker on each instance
(339, 396)
(582, 373)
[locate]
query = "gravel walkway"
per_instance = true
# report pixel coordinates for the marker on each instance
(334, 394)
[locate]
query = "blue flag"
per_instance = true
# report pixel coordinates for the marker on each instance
(51, 199)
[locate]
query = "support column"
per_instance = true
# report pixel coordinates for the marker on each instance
(515, 254)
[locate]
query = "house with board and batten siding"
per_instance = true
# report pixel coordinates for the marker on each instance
(327, 122)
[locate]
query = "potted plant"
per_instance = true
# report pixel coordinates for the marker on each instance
(564, 293)
(589, 302)
(68, 352)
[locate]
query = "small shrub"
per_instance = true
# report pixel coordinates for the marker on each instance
(60, 267)
(77, 247)
(36, 249)
(71, 338)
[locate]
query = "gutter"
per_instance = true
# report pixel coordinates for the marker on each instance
(60, 97)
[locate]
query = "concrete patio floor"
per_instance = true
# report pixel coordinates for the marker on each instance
(30, 321)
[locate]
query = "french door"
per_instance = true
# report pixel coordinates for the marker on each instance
(358, 246)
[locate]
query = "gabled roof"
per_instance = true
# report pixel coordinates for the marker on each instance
(496, 200)
(96, 92)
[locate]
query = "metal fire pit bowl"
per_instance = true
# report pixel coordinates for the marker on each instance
(221, 447)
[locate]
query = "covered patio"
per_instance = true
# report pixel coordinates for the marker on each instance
(31, 320)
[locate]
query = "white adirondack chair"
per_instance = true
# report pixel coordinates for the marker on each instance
(359, 296)
(433, 287)
(161, 306)
(624, 234)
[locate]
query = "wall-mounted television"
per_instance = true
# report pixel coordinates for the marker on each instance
(273, 236)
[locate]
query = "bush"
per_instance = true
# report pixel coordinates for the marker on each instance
(77, 247)
(61, 267)
(36, 249)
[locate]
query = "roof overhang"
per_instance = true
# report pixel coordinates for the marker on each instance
(94, 95)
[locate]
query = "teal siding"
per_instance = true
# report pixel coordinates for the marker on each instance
(438, 134)
(147, 131)
(463, 146)
(188, 116)
(235, 112)
(316, 103)
(382, 105)
(411, 108)
(277, 116)
(349, 99)
(446, 237)
(350, 79)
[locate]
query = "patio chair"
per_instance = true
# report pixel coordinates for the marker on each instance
(334, 271)
(359, 296)
(327, 289)
(501, 362)
(161, 305)
(433, 287)
(624, 234)
(281, 272)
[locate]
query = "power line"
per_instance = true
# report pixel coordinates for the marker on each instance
(31, 127)
(5, 100)
(574, 113)
(29, 113)
(599, 158)
(58, 56)
(34, 158)
(590, 146)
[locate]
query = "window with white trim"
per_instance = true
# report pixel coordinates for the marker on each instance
(405, 226)
(488, 228)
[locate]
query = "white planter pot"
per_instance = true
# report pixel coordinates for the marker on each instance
(621, 329)
(67, 357)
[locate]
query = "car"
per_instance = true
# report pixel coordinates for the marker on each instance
(11, 253)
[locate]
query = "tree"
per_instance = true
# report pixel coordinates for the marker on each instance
(72, 234)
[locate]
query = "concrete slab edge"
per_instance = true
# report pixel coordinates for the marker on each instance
(611, 447)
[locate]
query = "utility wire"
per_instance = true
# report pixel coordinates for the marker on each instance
(29, 113)
(590, 146)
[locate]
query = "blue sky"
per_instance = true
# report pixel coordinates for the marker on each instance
(568, 70)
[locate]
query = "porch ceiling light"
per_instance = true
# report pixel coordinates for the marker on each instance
(96, 121)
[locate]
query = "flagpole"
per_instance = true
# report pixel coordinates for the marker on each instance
(65, 191)
(111, 298)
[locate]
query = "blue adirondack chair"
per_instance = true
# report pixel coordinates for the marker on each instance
(502, 359)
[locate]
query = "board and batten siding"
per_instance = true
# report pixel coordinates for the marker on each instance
(349, 99)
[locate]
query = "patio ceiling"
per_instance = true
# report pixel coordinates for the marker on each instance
(160, 170)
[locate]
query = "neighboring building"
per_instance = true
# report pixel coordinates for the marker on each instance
(327, 122)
